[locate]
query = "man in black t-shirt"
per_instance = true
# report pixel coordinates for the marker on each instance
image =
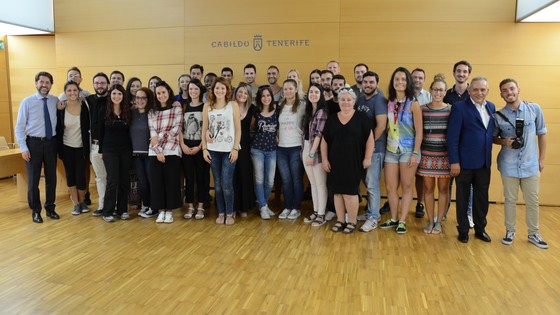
(98, 104)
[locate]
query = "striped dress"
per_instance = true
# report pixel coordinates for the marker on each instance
(435, 160)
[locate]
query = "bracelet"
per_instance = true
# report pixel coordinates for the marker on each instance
(311, 155)
(236, 149)
(415, 153)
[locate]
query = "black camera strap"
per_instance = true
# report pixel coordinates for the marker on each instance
(505, 118)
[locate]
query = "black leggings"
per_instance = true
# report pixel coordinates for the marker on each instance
(75, 167)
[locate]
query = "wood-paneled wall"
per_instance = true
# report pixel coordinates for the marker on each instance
(6, 127)
(144, 38)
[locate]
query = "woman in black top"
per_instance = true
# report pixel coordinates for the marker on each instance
(195, 168)
(116, 147)
(243, 181)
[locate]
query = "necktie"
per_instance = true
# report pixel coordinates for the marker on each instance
(48, 125)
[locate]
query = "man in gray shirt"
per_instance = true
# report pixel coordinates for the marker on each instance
(373, 103)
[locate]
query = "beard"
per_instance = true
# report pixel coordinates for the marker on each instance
(371, 93)
(101, 91)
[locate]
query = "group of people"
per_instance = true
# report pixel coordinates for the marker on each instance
(339, 135)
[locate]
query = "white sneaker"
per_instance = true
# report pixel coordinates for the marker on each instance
(109, 218)
(270, 212)
(160, 217)
(284, 214)
(330, 215)
(125, 216)
(294, 214)
(168, 217)
(370, 225)
(471, 223)
(264, 213)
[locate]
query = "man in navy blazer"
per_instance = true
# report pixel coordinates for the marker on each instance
(469, 140)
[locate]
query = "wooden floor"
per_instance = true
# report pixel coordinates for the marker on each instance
(82, 265)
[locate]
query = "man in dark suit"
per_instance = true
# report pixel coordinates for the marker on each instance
(469, 140)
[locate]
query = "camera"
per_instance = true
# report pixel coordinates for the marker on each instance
(518, 141)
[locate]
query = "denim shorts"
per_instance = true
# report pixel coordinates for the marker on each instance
(391, 157)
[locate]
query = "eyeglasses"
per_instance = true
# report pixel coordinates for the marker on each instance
(438, 90)
(141, 98)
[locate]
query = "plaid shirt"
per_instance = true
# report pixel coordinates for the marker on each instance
(166, 125)
(316, 126)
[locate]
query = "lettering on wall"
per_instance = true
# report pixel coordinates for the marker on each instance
(259, 43)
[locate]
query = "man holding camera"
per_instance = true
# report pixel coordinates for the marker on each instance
(519, 128)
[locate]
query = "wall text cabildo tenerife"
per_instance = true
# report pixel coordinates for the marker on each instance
(257, 43)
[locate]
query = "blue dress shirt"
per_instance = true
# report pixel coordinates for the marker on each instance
(522, 162)
(31, 118)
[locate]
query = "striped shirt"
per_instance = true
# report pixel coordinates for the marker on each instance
(435, 129)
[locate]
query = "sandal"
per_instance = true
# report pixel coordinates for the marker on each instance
(189, 213)
(437, 228)
(229, 219)
(429, 227)
(338, 226)
(350, 228)
(221, 219)
(311, 218)
(199, 214)
(319, 220)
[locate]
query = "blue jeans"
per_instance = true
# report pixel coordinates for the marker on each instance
(373, 177)
(264, 165)
(222, 170)
(291, 172)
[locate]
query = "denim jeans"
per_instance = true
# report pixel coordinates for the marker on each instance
(372, 179)
(264, 165)
(291, 172)
(222, 170)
